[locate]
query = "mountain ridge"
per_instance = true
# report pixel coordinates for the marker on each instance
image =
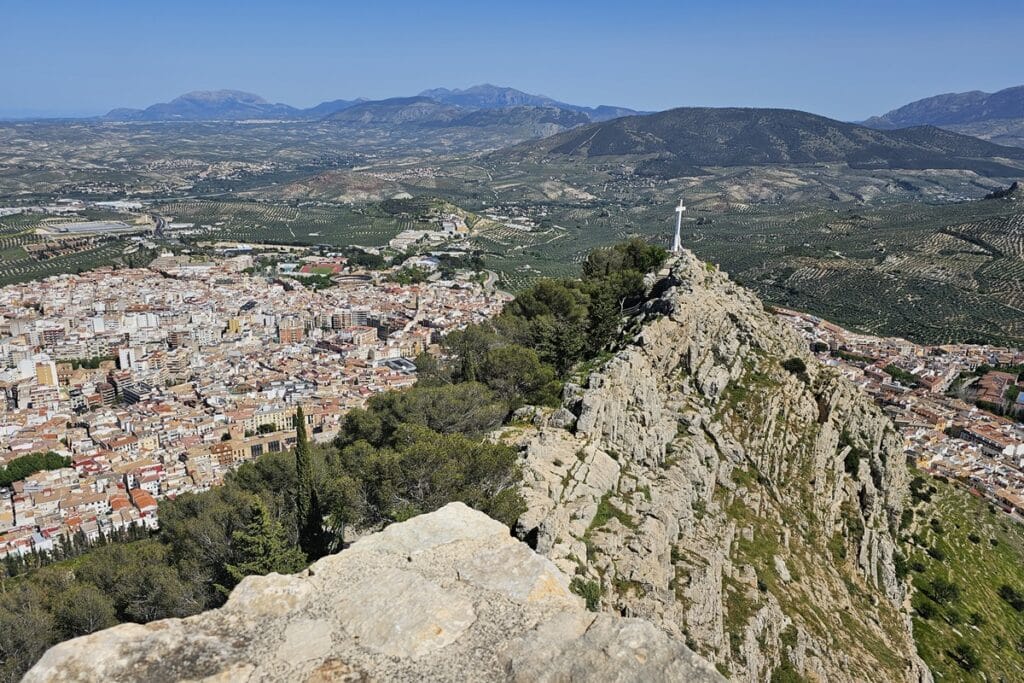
(997, 117)
(712, 491)
(487, 96)
(954, 108)
(425, 112)
(715, 478)
(199, 105)
(681, 141)
(230, 105)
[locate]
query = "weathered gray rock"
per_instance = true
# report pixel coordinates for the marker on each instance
(728, 518)
(447, 596)
(524, 414)
(563, 418)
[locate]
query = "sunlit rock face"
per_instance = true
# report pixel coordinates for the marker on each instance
(446, 596)
(722, 483)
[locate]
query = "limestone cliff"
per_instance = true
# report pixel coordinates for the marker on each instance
(722, 483)
(447, 596)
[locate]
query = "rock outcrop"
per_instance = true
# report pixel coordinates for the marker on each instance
(724, 484)
(447, 596)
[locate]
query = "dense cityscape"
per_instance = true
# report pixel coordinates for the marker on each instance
(944, 399)
(157, 381)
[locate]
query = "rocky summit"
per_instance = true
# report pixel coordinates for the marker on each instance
(710, 488)
(446, 596)
(716, 479)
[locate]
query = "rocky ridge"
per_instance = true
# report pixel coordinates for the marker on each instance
(446, 596)
(955, 108)
(714, 478)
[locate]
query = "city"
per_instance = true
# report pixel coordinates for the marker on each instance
(156, 382)
(945, 435)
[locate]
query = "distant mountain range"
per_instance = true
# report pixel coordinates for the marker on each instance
(430, 113)
(224, 105)
(683, 141)
(496, 97)
(998, 116)
(670, 143)
(955, 108)
(438, 106)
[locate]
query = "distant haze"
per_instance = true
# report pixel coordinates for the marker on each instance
(844, 60)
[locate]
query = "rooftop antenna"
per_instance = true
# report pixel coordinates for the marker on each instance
(677, 241)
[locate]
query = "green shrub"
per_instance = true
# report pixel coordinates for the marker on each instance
(901, 566)
(794, 365)
(851, 462)
(906, 518)
(924, 609)
(590, 591)
(786, 673)
(942, 591)
(966, 657)
(1012, 597)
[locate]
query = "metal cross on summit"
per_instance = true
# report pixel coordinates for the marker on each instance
(677, 241)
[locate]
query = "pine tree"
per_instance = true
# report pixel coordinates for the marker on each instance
(307, 506)
(262, 546)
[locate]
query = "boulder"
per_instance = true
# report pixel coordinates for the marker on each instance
(446, 596)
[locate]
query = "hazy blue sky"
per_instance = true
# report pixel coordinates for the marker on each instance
(842, 59)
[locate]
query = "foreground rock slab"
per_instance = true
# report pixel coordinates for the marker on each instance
(447, 596)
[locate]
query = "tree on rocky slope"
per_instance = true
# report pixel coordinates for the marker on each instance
(263, 547)
(307, 506)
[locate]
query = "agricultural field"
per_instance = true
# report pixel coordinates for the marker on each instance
(284, 223)
(510, 252)
(961, 557)
(938, 273)
(933, 272)
(103, 253)
(19, 238)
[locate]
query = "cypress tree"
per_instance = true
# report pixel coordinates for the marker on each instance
(307, 507)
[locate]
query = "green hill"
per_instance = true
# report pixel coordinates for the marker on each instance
(682, 141)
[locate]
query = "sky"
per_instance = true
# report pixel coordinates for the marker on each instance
(846, 60)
